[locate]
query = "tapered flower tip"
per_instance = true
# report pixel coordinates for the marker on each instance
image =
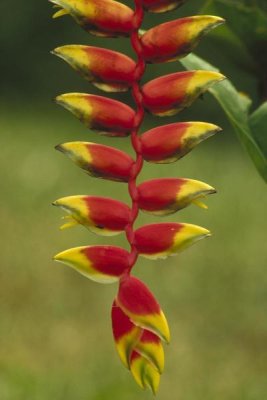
(139, 304)
(98, 160)
(149, 346)
(108, 70)
(172, 93)
(125, 333)
(103, 264)
(166, 196)
(169, 143)
(144, 373)
(159, 6)
(103, 216)
(167, 239)
(109, 117)
(100, 17)
(176, 39)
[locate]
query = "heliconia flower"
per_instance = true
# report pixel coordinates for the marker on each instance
(103, 264)
(169, 143)
(172, 93)
(176, 39)
(168, 195)
(159, 6)
(98, 160)
(139, 304)
(126, 334)
(166, 239)
(108, 70)
(101, 215)
(109, 117)
(144, 373)
(129, 337)
(106, 18)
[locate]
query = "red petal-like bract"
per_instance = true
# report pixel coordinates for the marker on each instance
(176, 39)
(99, 17)
(109, 117)
(138, 323)
(165, 239)
(103, 264)
(166, 196)
(172, 93)
(101, 215)
(98, 160)
(106, 69)
(126, 333)
(169, 143)
(139, 304)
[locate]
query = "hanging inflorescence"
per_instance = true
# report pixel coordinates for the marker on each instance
(139, 325)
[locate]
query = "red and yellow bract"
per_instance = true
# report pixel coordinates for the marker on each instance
(138, 322)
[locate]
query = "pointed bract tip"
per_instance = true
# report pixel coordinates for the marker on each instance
(60, 147)
(62, 51)
(215, 19)
(59, 99)
(210, 75)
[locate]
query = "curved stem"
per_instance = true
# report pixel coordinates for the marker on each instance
(136, 142)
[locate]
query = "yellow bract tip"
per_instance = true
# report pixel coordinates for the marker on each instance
(200, 204)
(188, 235)
(69, 224)
(59, 13)
(205, 78)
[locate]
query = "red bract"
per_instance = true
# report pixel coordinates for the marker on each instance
(169, 143)
(100, 215)
(166, 239)
(99, 17)
(109, 117)
(98, 160)
(176, 39)
(138, 322)
(103, 264)
(139, 304)
(108, 70)
(166, 196)
(172, 93)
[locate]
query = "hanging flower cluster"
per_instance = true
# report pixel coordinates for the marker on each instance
(139, 325)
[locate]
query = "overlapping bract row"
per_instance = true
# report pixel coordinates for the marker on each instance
(139, 325)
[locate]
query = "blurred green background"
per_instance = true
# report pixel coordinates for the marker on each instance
(55, 331)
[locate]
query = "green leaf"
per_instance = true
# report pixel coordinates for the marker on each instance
(245, 31)
(258, 124)
(236, 108)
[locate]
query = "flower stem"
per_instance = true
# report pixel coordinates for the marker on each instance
(136, 142)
